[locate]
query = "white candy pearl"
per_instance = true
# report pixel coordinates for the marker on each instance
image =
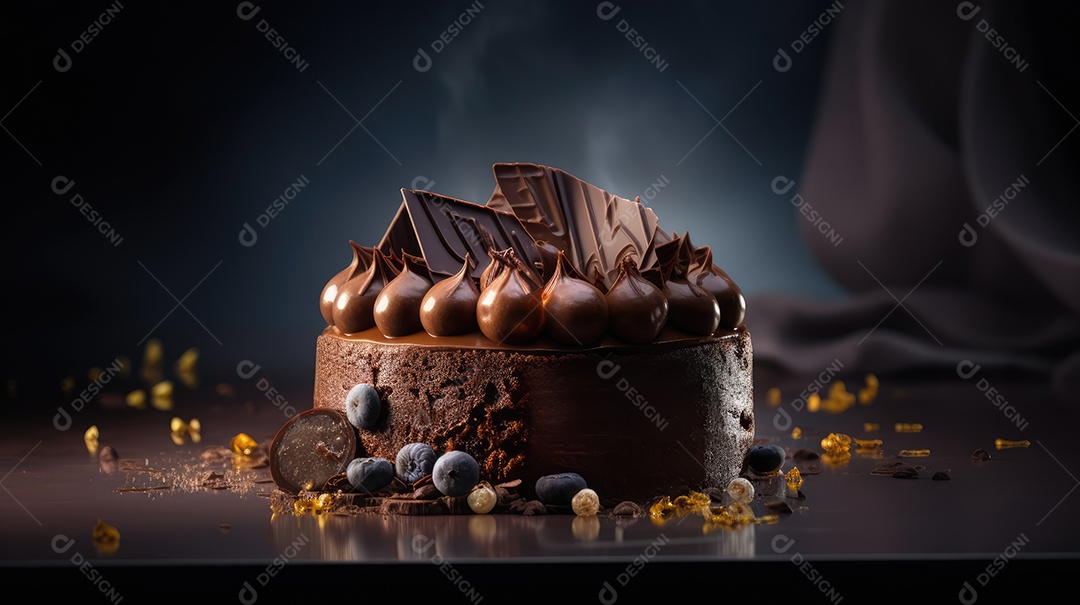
(741, 490)
(482, 499)
(585, 503)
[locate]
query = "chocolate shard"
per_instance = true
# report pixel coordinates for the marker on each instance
(442, 230)
(594, 228)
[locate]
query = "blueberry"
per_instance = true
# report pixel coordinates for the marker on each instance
(370, 474)
(456, 473)
(559, 489)
(363, 406)
(414, 462)
(765, 458)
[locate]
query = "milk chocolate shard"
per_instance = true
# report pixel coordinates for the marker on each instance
(594, 228)
(442, 230)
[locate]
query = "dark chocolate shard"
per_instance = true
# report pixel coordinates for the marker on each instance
(442, 230)
(594, 228)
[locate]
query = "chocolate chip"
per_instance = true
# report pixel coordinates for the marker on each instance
(980, 455)
(941, 476)
(906, 473)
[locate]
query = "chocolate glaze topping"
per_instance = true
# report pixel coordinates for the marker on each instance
(711, 278)
(443, 230)
(510, 309)
(567, 259)
(691, 308)
(354, 307)
(593, 227)
(638, 310)
(360, 261)
(449, 307)
(397, 307)
(576, 311)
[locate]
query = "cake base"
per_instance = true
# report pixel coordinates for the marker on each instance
(635, 422)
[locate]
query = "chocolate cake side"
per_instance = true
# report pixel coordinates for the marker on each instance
(635, 422)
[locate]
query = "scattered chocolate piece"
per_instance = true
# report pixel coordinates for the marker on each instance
(534, 507)
(776, 506)
(426, 492)
(108, 460)
(509, 484)
(224, 528)
(627, 509)
(980, 455)
(941, 476)
(889, 468)
(805, 454)
(906, 473)
(414, 507)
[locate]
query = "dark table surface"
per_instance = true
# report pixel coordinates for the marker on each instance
(1005, 524)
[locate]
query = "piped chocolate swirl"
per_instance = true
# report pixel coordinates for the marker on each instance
(567, 260)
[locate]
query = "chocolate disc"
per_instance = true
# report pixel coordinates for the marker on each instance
(312, 447)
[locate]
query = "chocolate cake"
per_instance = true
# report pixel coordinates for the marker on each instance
(555, 329)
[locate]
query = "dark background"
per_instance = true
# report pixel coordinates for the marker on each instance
(181, 123)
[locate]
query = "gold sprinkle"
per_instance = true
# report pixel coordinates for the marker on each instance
(813, 404)
(1002, 444)
(242, 444)
(90, 437)
(773, 396)
(914, 453)
(908, 427)
(67, 385)
(871, 427)
(867, 444)
(137, 399)
(161, 396)
(794, 479)
(836, 443)
(106, 537)
(796, 433)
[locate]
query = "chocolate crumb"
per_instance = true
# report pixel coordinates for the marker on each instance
(224, 528)
(941, 476)
(980, 455)
(906, 473)
(805, 454)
